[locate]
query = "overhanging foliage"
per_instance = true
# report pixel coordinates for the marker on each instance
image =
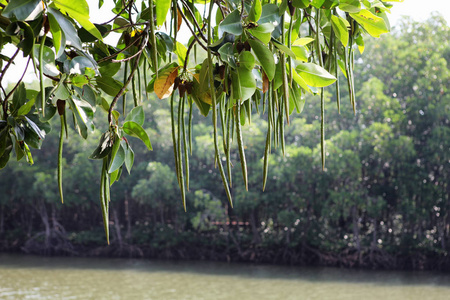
(258, 54)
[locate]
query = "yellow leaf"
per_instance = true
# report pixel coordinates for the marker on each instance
(164, 83)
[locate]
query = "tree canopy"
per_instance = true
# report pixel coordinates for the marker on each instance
(242, 55)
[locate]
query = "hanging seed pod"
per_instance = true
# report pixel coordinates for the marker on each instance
(61, 111)
(222, 72)
(247, 46)
(239, 47)
(176, 83)
(291, 8)
(182, 89)
(189, 85)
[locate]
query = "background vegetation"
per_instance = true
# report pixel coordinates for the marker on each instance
(382, 202)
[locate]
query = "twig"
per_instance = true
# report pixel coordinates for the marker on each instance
(8, 65)
(135, 66)
(18, 82)
(193, 18)
(125, 26)
(118, 15)
(118, 52)
(193, 32)
(134, 55)
(186, 60)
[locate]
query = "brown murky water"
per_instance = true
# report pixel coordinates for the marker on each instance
(31, 277)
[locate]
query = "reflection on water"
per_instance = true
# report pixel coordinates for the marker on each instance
(30, 277)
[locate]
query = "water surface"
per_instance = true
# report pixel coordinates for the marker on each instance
(32, 277)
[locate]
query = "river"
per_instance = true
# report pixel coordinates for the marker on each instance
(33, 277)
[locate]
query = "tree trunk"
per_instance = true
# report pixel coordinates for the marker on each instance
(356, 233)
(161, 213)
(2, 220)
(254, 225)
(127, 218)
(44, 217)
(117, 229)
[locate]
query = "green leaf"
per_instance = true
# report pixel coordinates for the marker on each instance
(24, 109)
(79, 65)
(263, 32)
(278, 78)
(4, 135)
(35, 128)
(227, 54)
(134, 129)
(87, 37)
(136, 115)
(350, 6)
(117, 155)
(181, 53)
(265, 58)
(19, 151)
(269, 14)
(59, 38)
(302, 41)
(129, 157)
(88, 94)
(79, 10)
(69, 31)
(300, 81)
(48, 60)
(360, 42)
(301, 53)
(301, 3)
(27, 151)
(340, 27)
(246, 60)
(27, 42)
(61, 92)
(21, 9)
(296, 96)
(317, 3)
(255, 11)
(374, 25)
(226, 38)
(247, 83)
(83, 114)
(231, 24)
(283, 48)
(162, 7)
(315, 75)
(103, 148)
(109, 69)
(19, 98)
(198, 95)
(115, 176)
(109, 85)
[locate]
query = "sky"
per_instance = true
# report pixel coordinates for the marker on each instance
(419, 10)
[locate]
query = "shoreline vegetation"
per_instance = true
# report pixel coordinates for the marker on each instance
(382, 201)
(303, 255)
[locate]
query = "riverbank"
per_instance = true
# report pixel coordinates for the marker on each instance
(220, 248)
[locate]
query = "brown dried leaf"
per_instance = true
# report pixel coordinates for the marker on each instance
(164, 83)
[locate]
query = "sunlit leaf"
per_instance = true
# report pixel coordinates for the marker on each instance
(340, 27)
(136, 130)
(374, 25)
(136, 115)
(164, 83)
(79, 10)
(315, 75)
(162, 7)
